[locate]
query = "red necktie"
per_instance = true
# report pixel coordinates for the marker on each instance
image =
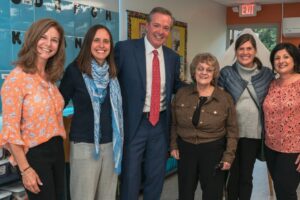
(155, 90)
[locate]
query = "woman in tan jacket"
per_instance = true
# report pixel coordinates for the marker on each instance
(204, 131)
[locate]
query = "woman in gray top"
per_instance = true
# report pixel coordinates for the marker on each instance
(247, 81)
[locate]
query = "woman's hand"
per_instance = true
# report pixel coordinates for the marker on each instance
(175, 154)
(226, 166)
(31, 180)
(298, 163)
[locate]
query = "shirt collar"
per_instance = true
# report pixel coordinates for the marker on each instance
(215, 95)
(149, 48)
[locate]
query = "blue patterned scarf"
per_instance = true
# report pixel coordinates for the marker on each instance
(97, 88)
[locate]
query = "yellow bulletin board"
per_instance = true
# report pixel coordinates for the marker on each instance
(177, 39)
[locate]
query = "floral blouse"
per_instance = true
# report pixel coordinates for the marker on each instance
(31, 110)
(282, 117)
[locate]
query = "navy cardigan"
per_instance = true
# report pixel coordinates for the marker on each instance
(72, 87)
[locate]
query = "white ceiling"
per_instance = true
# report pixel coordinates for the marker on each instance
(237, 2)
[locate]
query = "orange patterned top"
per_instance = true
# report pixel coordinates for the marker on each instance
(31, 110)
(282, 117)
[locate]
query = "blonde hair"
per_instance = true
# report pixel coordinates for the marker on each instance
(209, 59)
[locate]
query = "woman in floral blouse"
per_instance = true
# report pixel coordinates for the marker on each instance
(33, 128)
(282, 125)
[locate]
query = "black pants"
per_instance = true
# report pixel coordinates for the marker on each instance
(283, 172)
(47, 159)
(240, 180)
(198, 162)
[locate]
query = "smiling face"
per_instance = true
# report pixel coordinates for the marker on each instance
(100, 47)
(245, 54)
(158, 29)
(283, 62)
(204, 74)
(47, 45)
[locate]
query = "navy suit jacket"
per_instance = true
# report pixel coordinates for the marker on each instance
(131, 62)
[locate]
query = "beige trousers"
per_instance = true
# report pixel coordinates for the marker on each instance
(92, 179)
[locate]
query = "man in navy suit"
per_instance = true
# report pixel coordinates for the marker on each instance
(146, 142)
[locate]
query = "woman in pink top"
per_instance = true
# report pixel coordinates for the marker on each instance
(33, 128)
(282, 121)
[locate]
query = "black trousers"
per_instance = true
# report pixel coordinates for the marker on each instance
(240, 179)
(47, 159)
(283, 172)
(197, 163)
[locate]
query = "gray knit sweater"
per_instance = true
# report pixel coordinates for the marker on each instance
(250, 118)
(248, 114)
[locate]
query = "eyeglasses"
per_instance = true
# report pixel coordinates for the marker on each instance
(209, 70)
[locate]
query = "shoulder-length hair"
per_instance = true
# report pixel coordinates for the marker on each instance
(209, 59)
(85, 56)
(245, 38)
(28, 53)
(291, 49)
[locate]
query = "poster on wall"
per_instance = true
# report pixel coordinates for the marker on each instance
(177, 39)
(17, 15)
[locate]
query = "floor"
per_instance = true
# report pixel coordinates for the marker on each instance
(261, 190)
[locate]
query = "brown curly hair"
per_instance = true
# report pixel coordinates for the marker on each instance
(209, 59)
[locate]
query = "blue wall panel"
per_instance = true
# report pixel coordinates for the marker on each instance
(64, 14)
(15, 18)
(82, 19)
(17, 44)
(5, 49)
(70, 50)
(4, 15)
(21, 16)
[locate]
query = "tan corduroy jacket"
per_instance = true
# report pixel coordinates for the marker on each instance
(217, 120)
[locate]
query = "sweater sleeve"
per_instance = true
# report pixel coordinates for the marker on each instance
(66, 86)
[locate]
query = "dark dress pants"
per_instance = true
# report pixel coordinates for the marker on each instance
(148, 148)
(284, 174)
(240, 178)
(47, 159)
(198, 163)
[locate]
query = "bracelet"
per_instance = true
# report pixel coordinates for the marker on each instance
(23, 172)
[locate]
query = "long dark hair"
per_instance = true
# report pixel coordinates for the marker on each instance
(85, 56)
(292, 51)
(245, 38)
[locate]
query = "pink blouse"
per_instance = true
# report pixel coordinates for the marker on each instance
(282, 117)
(31, 109)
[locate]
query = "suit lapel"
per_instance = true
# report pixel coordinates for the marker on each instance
(167, 70)
(141, 60)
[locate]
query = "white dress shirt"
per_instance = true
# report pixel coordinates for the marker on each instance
(149, 57)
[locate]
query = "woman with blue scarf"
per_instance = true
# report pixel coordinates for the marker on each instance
(96, 134)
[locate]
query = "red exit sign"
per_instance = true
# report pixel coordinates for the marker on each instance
(247, 10)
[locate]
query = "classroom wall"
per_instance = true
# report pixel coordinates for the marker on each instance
(270, 14)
